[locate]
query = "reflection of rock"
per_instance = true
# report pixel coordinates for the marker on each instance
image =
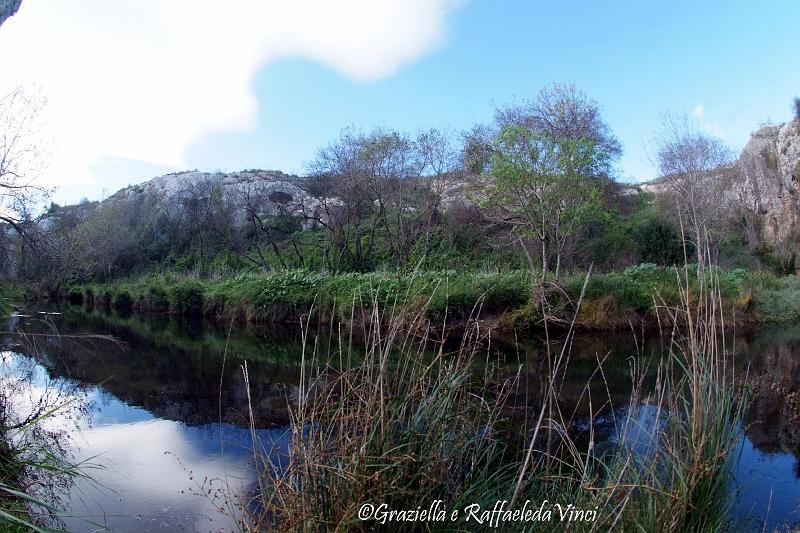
(774, 413)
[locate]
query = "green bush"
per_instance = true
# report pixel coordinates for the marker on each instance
(186, 298)
(123, 302)
(155, 300)
(777, 305)
(285, 294)
(658, 241)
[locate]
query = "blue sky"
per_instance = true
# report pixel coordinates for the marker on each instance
(733, 65)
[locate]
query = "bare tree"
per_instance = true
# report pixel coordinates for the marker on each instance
(695, 168)
(103, 242)
(22, 160)
(270, 219)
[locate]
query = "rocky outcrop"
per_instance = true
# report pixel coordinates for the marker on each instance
(767, 186)
(760, 190)
(8, 8)
(267, 191)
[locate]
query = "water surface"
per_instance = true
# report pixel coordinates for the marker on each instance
(167, 411)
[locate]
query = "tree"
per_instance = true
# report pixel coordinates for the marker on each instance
(797, 108)
(658, 241)
(22, 159)
(103, 242)
(269, 220)
(539, 188)
(477, 151)
(694, 168)
(381, 184)
(565, 113)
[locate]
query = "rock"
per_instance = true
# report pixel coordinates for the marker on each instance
(8, 8)
(767, 187)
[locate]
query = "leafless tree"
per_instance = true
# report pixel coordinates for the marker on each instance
(103, 242)
(22, 160)
(695, 168)
(381, 183)
(270, 219)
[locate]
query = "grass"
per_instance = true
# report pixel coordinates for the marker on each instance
(406, 429)
(612, 299)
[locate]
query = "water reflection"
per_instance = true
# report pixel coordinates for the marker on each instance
(162, 475)
(170, 411)
(161, 458)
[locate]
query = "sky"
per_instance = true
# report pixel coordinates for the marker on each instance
(140, 88)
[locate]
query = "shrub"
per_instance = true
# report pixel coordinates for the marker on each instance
(286, 293)
(186, 298)
(123, 302)
(155, 300)
(777, 304)
(658, 241)
(596, 313)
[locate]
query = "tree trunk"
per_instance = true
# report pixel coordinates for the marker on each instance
(544, 258)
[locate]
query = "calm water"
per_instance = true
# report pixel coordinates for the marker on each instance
(165, 413)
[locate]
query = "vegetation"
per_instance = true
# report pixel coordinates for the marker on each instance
(401, 236)
(534, 189)
(611, 299)
(399, 428)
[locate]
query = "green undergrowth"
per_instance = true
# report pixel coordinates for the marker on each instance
(9, 293)
(612, 300)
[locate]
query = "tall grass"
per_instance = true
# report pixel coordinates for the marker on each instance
(392, 431)
(678, 478)
(408, 426)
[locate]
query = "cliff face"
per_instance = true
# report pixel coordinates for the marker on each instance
(767, 188)
(8, 8)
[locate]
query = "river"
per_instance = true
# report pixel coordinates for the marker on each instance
(164, 418)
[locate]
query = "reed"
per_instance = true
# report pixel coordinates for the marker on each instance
(414, 422)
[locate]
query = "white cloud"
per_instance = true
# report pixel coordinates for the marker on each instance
(710, 127)
(142, 79)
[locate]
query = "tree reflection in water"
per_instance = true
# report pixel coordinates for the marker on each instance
(38, 417)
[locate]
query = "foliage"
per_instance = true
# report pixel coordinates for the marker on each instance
(541, 188)
(658, 241)
(398, 424)
(186, 297)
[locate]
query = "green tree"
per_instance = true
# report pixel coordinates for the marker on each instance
(541, 187)
(658, 241)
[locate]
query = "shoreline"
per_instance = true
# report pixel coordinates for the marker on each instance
(613, 300)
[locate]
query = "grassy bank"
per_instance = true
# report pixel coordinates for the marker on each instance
(612, 300)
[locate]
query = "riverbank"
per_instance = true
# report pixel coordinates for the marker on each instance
(612, 300)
